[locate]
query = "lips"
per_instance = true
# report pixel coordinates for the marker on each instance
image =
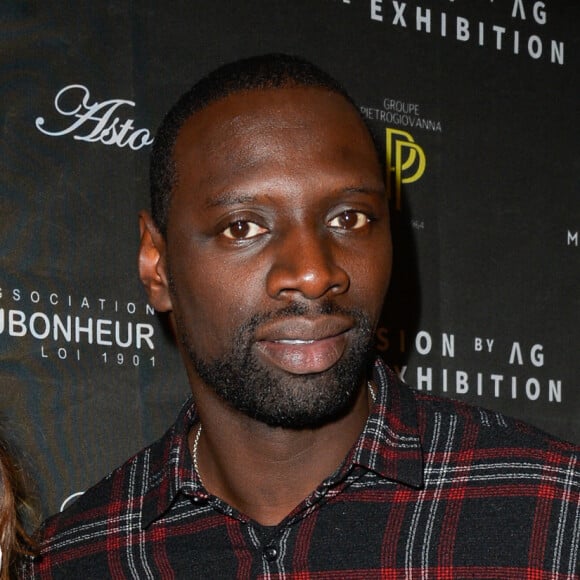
(304, 345)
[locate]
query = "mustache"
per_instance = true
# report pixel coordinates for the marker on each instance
(300, 309)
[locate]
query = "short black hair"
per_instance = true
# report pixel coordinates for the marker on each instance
(269, 71)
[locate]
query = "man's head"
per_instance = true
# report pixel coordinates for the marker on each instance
(273, 255)
(268, 71)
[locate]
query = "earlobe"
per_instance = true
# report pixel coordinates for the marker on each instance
(152, 264)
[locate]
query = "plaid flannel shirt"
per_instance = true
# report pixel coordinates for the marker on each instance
(433, 488)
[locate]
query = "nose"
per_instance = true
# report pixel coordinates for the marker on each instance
(305, 264)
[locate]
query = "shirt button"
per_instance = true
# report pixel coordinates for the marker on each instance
(270, 553)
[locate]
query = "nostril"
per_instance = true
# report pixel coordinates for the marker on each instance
(311, 278)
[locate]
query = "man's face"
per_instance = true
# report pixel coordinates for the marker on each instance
(278, 252)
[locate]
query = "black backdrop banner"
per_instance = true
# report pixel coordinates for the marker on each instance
(475, 103)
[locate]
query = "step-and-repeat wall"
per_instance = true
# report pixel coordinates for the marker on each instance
(476, 104)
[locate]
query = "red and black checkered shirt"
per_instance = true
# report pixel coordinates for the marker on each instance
(432, 489)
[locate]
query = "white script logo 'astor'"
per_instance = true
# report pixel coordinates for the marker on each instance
(96, 122)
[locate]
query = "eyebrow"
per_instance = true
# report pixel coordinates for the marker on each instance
(369, 190)
(229, 198)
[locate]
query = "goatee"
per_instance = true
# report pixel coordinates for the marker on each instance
(279, 398)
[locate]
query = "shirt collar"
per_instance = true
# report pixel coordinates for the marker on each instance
(389, 445)
(172, 470)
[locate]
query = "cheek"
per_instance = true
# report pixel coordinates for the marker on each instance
(213, 300)
(373, 285)
(370, 280)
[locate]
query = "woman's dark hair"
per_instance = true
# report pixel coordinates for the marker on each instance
(15, 510)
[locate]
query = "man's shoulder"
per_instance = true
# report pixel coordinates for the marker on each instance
(111, 494)
(82, 534)
(493, 433)
(66, 539)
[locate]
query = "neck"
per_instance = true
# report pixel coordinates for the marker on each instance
(265, 472)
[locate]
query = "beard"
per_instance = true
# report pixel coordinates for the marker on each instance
(276, 397)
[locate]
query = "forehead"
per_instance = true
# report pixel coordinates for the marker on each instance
(271, 132)
(289, 105)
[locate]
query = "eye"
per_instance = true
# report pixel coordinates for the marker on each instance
(349, 220)
(243, 230)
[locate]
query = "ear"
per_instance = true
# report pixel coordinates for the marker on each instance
(153, 264)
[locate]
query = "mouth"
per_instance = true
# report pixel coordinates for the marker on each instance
(304, 346)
